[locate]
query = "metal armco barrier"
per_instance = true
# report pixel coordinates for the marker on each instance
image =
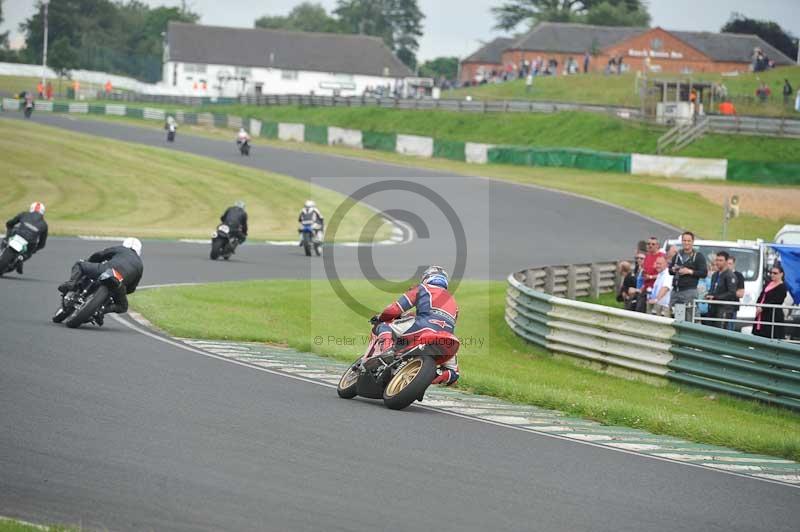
(752, 125)
(739, 364)
(698, 355)
(572, 280)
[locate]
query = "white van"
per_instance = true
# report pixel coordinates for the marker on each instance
(788, 234)
(751, 262)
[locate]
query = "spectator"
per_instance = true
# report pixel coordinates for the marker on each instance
(638, 301)
(619, 64)
(627, 287)
(586, 59)
(723, 288)
(658, 300)
(768, 319)
(687, 268)
(40, 89)
(76, 87)
(739, 289)
(787, 92)
(108, 87)
(612, 65)
(703, 287)
(49, 91)
(672, 250)
(763, 92)
(529, 82)
(649, 266)
(727, 108)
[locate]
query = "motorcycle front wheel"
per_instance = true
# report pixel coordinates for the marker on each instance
(410, 382)
(348, 384)
(216, 248)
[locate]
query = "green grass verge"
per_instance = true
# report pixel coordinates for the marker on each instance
(105, 187)
(494, 361)
(622, 90)
(12, 525)
(648, 196)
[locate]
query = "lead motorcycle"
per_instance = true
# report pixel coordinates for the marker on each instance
(85, 304)
(401, 374)
(244, 147)
(310, 234)
(12, 250)
(223, 243)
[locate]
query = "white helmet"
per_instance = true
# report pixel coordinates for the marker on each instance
(37, 206)
(133, 243)
(310, 204)
(239, 204)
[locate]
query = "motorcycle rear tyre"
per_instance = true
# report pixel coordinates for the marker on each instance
(216, 248)
(400, 399)
(7, 258)
(85, 312)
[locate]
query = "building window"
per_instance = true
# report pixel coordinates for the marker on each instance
(243, 72)
(189, 68)
(289, 75)
(656, 44)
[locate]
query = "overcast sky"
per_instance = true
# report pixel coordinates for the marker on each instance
(456, 27)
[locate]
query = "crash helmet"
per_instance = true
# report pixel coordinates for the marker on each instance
(435, 275)
(239, 204)
(133, 243)
(310, 204)
(37, 206)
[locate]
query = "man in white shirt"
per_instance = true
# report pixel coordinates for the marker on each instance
(658, 300)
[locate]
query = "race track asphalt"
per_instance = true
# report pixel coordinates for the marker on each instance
(117, 430)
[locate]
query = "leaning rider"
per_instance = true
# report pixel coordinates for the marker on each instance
(242, 136)
(32, 227)
(236, 219)
(126, 259)
(436, 311)
(310, 214)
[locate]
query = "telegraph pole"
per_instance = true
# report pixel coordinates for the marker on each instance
(44, 48)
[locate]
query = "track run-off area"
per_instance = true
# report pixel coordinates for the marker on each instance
(121, 428)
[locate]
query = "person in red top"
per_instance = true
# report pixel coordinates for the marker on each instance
(649, 272)
(436, 311)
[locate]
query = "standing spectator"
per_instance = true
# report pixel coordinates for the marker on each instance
(763, 92)
(612, 65)
(727, 108)
(658, 301)
(723, 288)
(627, 287)
(638, 300)
(687, 268)
(649, 266)
(672, 250)
(619, 64)
(76, 87)
(40, 89)
(767, 319)
(586, 59)
(529, 82)
(787, 92)
(108, 87)
(49, 91)
(739, 289)
(704, 287)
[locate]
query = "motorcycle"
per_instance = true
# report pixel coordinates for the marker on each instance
(171, 130)
(223, 244)
(28, 111)
(85, 304)
(244, 147)
(401, 374)
(12, 250)
(310, 238)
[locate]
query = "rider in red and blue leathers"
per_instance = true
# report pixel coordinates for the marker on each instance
(436, 311)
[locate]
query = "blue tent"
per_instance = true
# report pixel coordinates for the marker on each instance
(790, 260)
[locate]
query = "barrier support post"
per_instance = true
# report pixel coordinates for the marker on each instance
(594, 282)
(549, 280)
(571, 281)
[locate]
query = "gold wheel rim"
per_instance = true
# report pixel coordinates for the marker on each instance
(348, 379)
(404, 377)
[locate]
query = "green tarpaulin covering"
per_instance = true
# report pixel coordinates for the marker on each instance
(220, 120)
(763, 172)
(316, 134)
(190, 118)
(97, 109)
(134, 112)
(563, 158)
(269, 130)
(449, 149)
(372, 140)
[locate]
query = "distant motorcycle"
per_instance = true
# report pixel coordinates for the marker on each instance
(28, 110)
(12, 250)
(223, 243)
(85, 304)
(244, 147)
(171, 131)
(401, 374)
(309, 233)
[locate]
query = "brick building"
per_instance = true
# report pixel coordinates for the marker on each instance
(653, 49)
(488, 59)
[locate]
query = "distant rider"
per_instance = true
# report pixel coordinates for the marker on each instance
(310, 214)
(126, 259)
(32, 227)
(242, 136)
(171, 124)
(436, 311)
(236, 219)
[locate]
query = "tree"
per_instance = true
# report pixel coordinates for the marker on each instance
(304, 17)
(397, 22)
(600, 12)
(63, 57)
(441, 67)
(767, 30)
(3, 36)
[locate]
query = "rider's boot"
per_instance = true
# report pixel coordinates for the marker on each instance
(19, 265)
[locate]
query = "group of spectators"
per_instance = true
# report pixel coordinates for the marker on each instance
(543, 67)
(659, 280)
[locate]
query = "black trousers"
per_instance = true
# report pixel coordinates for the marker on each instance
(92, 270)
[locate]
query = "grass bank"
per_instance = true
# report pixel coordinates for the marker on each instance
(494, 361)
(649, 196)
(622, 90)
(12, 525)
(104, 187)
